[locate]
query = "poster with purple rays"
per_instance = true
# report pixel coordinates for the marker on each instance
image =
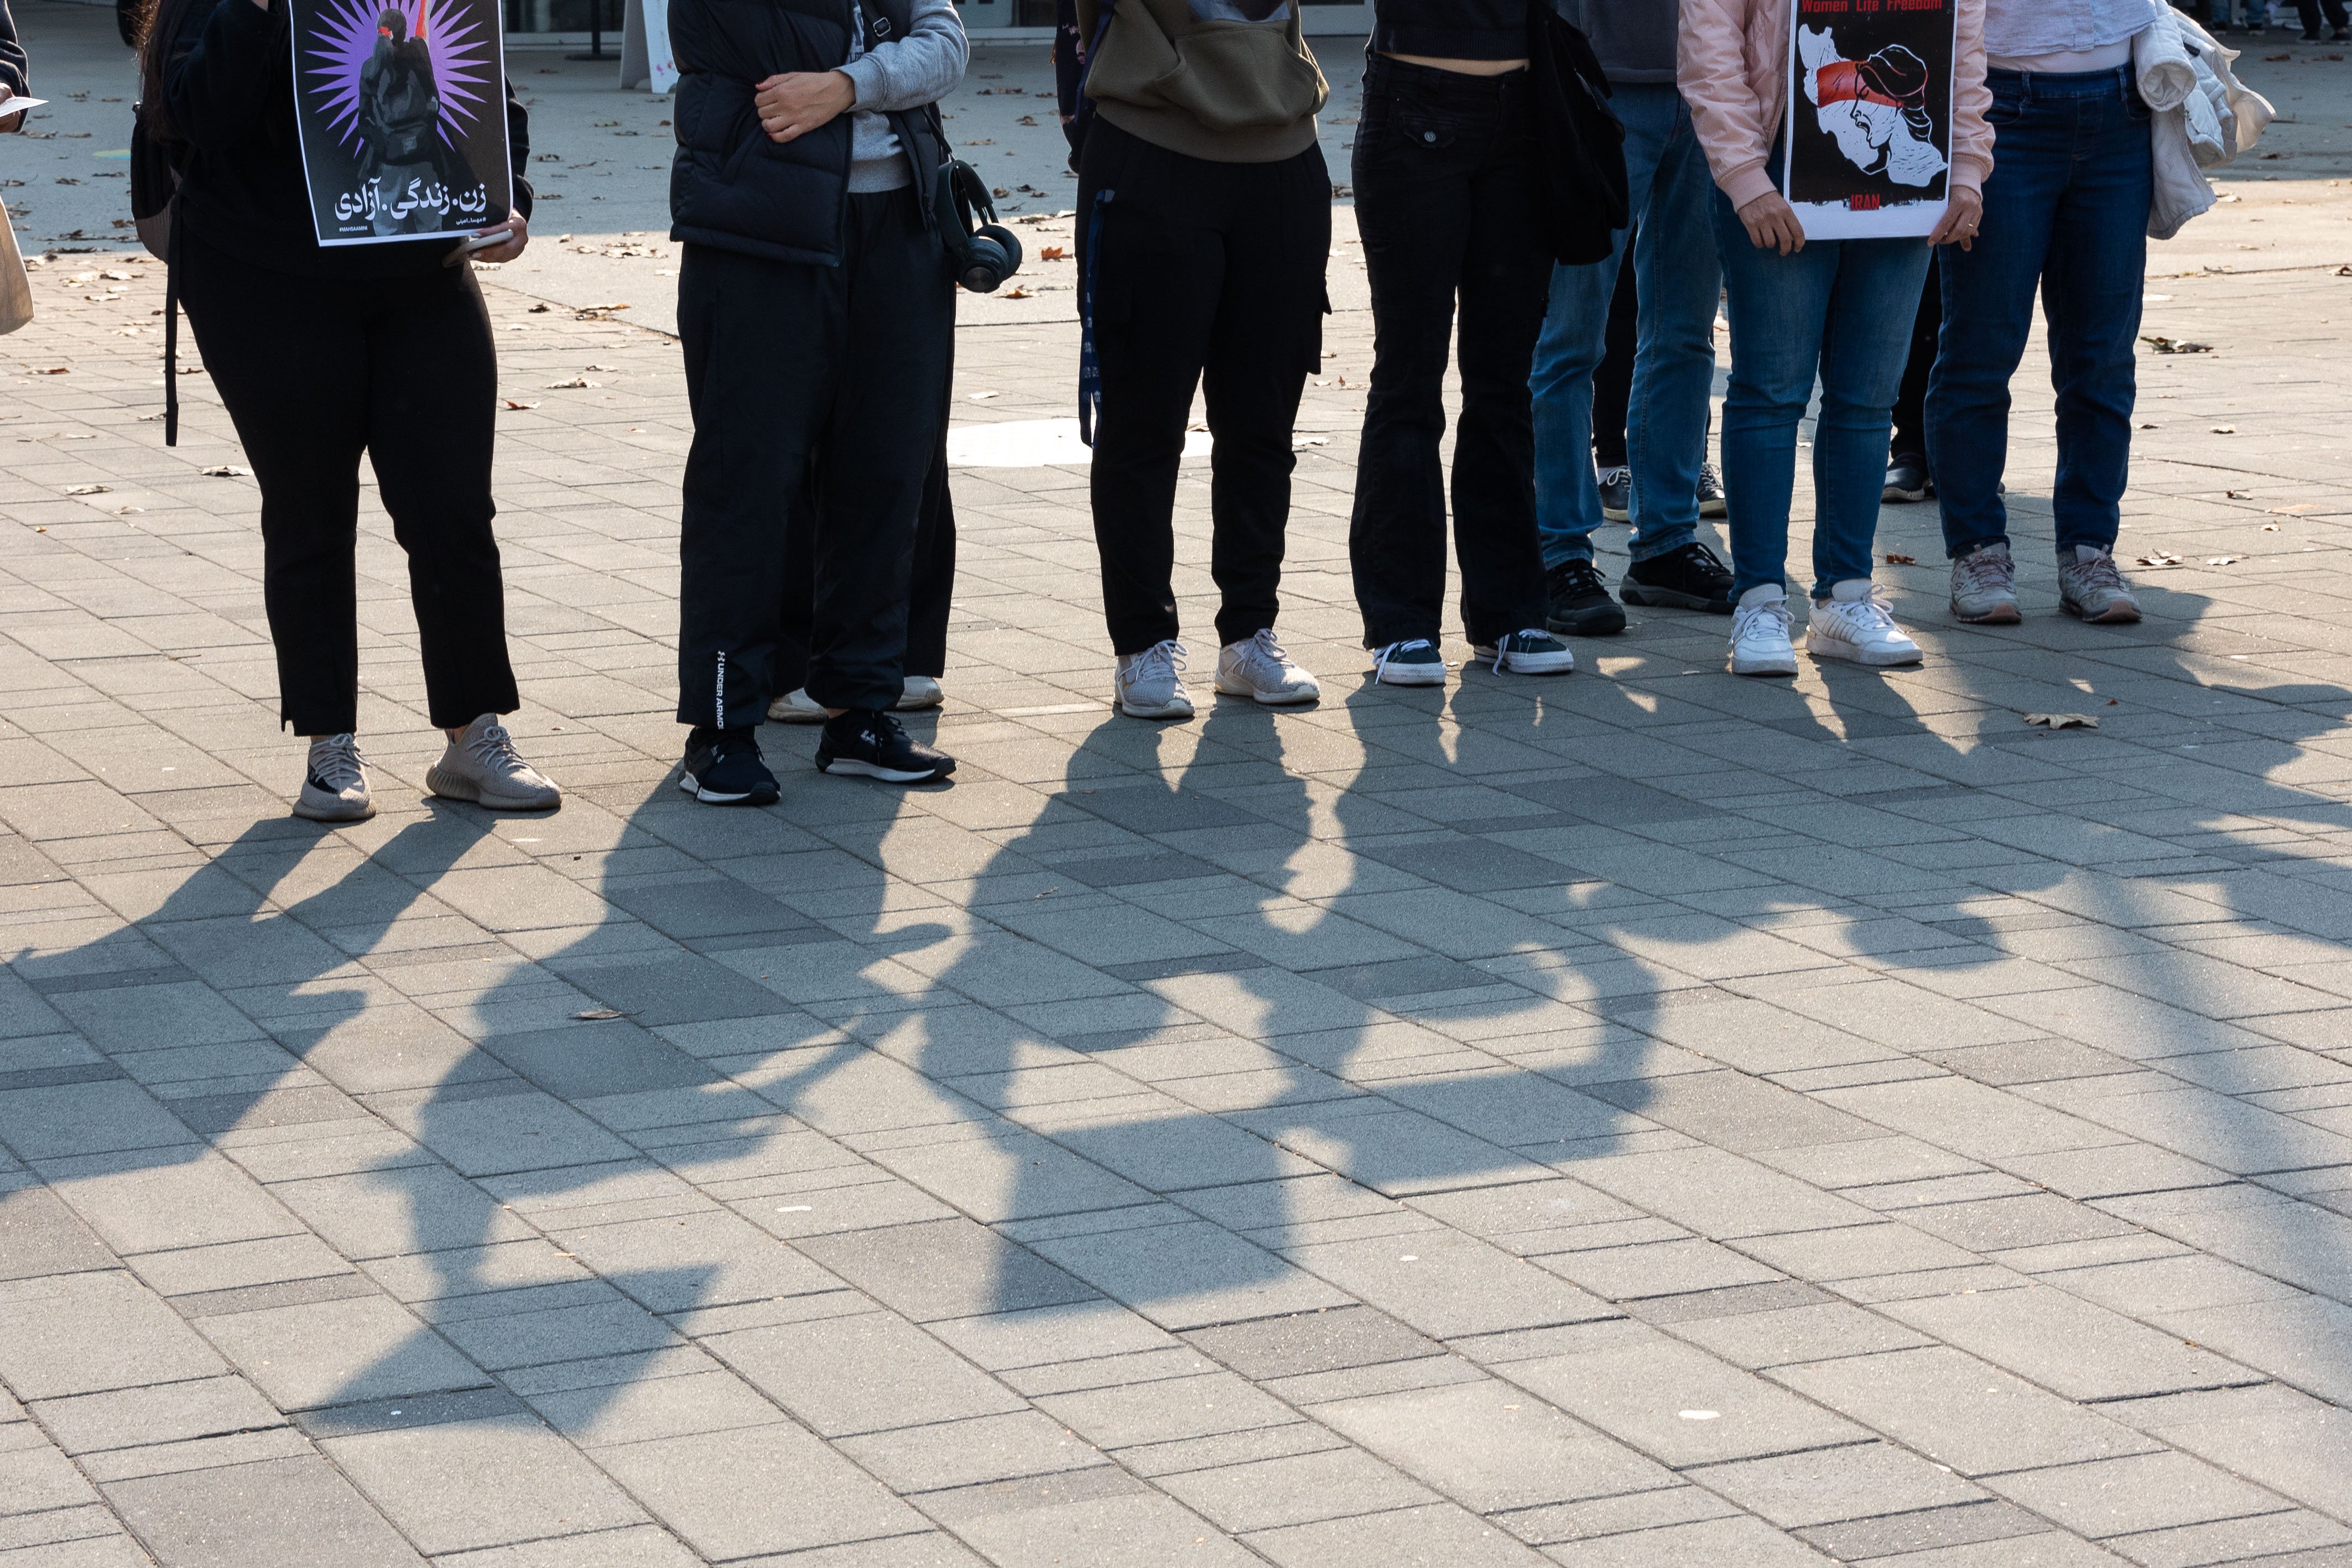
(402, 111)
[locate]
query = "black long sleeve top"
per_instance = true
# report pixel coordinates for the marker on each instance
(229, 102)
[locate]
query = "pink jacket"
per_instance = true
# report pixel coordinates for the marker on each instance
(1733, 69)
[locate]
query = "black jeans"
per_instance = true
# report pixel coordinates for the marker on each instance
(817, 394)
(314, 371)
(1446, 205)
(2308, 10)
(1910, 436)
(1210, 276)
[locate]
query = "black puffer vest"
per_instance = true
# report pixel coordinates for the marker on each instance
(732, 187)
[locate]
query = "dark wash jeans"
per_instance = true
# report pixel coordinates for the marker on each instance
(2065, 208)
(1446, 202)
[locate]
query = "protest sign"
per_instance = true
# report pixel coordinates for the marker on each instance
(1868, 151)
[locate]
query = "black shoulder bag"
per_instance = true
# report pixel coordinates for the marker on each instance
(1581, 142)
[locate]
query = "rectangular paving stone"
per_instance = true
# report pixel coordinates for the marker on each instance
(87, 1119)
(1429, 1536)
(2141, 1492)
(1297, 1488)
(1190, 1276)
(1448, 1286)
(758, 1490)
(284, 1513)
(866, 1373)
(1825, 1486)
(2069, 1345)
(140, 1204)
(41, 1235)
(944, 1268)
(339, 1352)
(462, 1485)
(1960, 1412)
(1637, 1394)
(975, 1452)
(85, 1333)
(159, 1413)
(1491, 1448)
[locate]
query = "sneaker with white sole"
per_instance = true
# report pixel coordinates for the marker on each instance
(1256, 667)
(1531, 652)
(873, 744)
(797, 707)
(482, 766)
(2090, 587)
(335, 785)
(1712, 502)
(1760, 632)
(1854, 624)
(918, 692)
(1616, 485)
(1415, 662)
(1150, 684)
(1984, 586)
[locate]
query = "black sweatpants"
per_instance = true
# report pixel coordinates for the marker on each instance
(1210, 276)
(1613, 381)
(314, 371)
(817, 394)
(930, 584)
(1446, 202)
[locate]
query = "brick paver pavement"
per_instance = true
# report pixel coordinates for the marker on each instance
(1638, 1119)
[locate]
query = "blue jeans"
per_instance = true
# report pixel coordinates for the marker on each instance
(2066, 208)
(1843, 307)
(1675, 277)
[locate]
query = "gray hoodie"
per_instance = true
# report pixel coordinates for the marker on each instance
(1634, 38)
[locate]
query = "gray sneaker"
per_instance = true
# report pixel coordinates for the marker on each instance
(1150, 684)
(1617, 494)
(335, 786)
(2090, 587)
(481, 765)
(1984, 586)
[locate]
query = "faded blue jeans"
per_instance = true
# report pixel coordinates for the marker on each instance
(2065, 209)
(1677, 279)
(1841, 307)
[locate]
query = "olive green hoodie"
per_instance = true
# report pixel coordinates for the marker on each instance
(1230, 92)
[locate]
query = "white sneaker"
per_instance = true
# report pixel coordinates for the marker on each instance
(916, 692)
(1760, 632)
(1258, 668)
(1150, 684)
(335, 786)
(1854, 624)
(482, 766)
(1534, 651)
(797, 708)
(1412, 662)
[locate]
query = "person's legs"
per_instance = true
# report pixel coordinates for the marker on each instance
(1864, 341)
(747, 474)
(1571, 411)
(1412, 212)
(1612, 379)
(880, 434)
(1674, 373)
(1989, 310)
(1778, 305)
(1267, 334)
(1504, 277)
(432, 394)
(1157, 261)
(2091, 289)
(1908, 440)
(288, 355)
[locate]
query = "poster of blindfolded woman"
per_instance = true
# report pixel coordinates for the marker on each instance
(402, 111)
(1868, 144)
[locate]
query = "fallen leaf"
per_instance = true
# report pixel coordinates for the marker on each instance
(2222, 560)
(1894, 560)
(515, 403)
(1306, 441)
(2297, 510)
(1019, 294)
(1052, 253)
(2270, 527)
(599, 1014)
(2159, 558)
(51, 371)
(574, 384)
(2063, 720)
(2149, 427)
(2163, 345)
(2225, 430)
(983, 397)
(2235, 495)
(87, 489)
(228, 471)
(541, 309)
(608, 370)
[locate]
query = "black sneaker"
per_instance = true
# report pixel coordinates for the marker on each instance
(1578, 601)
(871, 742)
(1906, 478)
(2311, 34)
(1691, 578)
(2341, 35)
(723, 768)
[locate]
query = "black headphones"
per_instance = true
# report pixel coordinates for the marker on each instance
(983, 257)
